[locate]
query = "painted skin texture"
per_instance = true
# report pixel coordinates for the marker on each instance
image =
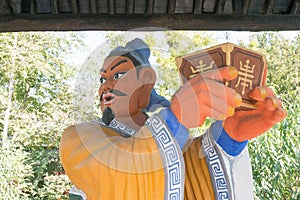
(212, 99)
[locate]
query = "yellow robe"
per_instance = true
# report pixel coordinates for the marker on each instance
(106, 165)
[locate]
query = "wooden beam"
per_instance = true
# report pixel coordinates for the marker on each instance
(228, 7)
(209, 6)
(129, 6)
(295, 9)
(198, 4)
(111, 6)
(25, 6)
(102, 6)
(220, 6)
(246, 4)
(32, 9)
(84, 6)
(150, 6)
(54, 7)
(64, 6)
(171, 6)
(4, 8)
(93, 5)
(74, 6)
(15, 6)
(81, 22)
(268, 8)
(237, 6)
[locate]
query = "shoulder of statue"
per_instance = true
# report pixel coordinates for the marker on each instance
(72, 131)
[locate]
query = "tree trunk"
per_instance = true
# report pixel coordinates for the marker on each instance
(7, 112)
(10, 93)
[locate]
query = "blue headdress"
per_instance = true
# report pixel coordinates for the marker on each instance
(138, 50)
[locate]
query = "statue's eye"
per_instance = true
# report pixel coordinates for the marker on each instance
(118, 75)
(102, 80)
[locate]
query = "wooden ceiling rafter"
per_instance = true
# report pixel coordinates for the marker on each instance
(246, 4)
(130, 6)
(171, 7)
(220, 6)
(61, 15)
(198, 4)
(150, 7)
(268, 8)
(295, 7)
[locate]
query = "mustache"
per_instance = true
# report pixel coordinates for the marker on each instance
(115, 92)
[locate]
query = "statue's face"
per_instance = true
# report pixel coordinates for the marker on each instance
(120, 87)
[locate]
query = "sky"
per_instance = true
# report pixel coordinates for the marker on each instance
(95, 38)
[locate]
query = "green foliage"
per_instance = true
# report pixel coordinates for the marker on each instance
(33, 68)
(35, 108)
(275, 165)
(275, 155)
(55, 187)
(15, 173)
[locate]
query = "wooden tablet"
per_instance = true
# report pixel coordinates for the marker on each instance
(252, 67)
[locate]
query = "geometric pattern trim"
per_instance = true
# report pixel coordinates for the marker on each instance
(119, 127)
(172, 158)
(218, 175)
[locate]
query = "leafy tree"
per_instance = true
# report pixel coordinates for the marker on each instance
(36, 103)
(275, 155)
(15, 174)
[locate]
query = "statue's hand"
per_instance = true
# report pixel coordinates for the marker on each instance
(245, 125)
(205, 95)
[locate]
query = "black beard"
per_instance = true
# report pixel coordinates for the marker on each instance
(108, 115)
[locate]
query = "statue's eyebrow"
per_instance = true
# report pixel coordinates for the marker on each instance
(118, 63)
(113, 67)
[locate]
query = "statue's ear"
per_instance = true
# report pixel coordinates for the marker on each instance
(147, 77)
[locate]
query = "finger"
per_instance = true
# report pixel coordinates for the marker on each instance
(220, 74)
(214, 106)
(260, 93)
(279, 114)
(217, 89)
(272, 103)
(189, 116)
(203, 104)
(215, 114)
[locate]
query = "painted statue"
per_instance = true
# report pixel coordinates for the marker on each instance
(141, 147)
